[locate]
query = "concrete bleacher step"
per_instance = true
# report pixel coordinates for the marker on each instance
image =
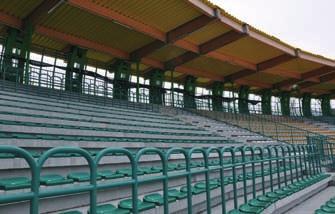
(288, 203)
(311, 204)
(72, 96)
(198, 203)
(227, 131)
(33, 116)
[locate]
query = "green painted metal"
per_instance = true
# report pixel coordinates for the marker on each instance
(217, 90)
(266, 101)
(189, 92)
(306, 105)
(16, 54)
(76, 61)
(156, 86)
(121, 85)
(325, 105)
(138, 81)
(23, 65)
(243, 95)
(301, 162)
(285, 103)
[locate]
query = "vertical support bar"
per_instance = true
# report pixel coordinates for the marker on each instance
(325, 105)
(25, 52)
(243, 96)
(137, 81)
(53, 74)
(266, 101)
(40, 70)
(285, 103)
(217, 94)
(306, 105)
(189, 92)
(172, 89)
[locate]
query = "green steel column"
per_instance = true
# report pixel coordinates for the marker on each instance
(217, 96)
(76, 61)
(121, 70)
(325, 105)
(285, 103)
(8, 70)
(266, 101)
(25, 53)
(306, 105)
(156, 86)
(189, 92)
(243, 96)
(20, 42)
(172, 90)
(138, 81)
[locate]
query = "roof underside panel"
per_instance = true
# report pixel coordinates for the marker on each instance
(208, 64)
(164, 15)
(46, 42)
(251, 50)
(299, 65)
(210, 31)
(76, 22)
(91, 54)
(166, 53)
(119, 27)
(264, 77)
(18, 8)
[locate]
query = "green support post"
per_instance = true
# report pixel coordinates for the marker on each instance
(121, 69)
(217, 96)
(16, 54)
(156, 86)
(74, 70)
(189, 92)
(137, 81)
(306, 105)
(285, 103)
(325, 105)
(266, 101)
(243, 96)
(25, 53)
(172, 89)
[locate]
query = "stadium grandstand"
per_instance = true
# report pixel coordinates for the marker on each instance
(169, 106)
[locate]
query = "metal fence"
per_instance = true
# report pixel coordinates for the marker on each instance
(285, 164)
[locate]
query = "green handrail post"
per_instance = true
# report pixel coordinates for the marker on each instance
(277, 165)
(164, 167)
(34, 196)
(92, 167)
(289, 150)
(189, 177)
(232, 156)
(133, 164)
(262, 160)
(282, 148)
(244, 172)
(269, 154)
(253, 171)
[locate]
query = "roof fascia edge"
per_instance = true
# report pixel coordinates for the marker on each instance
(316, 59)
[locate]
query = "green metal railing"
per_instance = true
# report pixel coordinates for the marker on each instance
(266, 125)
(290, 163)
(55, 83)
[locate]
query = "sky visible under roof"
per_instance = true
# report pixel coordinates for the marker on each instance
(305, 24)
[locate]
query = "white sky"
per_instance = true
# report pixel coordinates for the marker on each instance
(305, 24)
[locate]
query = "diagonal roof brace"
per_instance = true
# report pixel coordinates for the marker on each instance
(260, 67)
(172, 36)
(305, 76)
(42, 10)
(211, 45)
